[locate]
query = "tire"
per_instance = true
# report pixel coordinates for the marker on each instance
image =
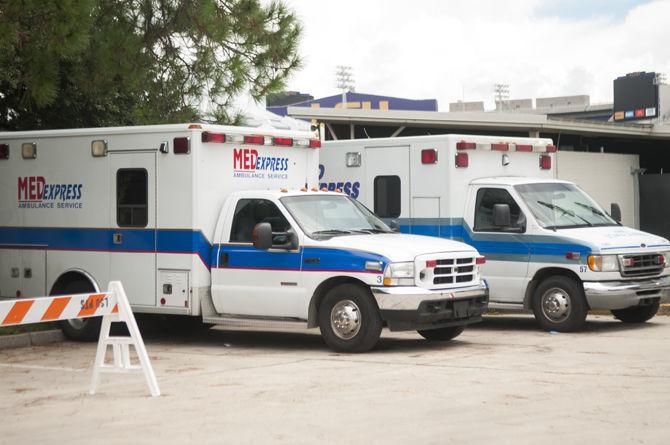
(637, 314)
(442, 334)
(559, 304)
(349, 319)
(80, 329)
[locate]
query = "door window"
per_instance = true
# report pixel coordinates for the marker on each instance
(387, 196)
(250, 212)
(486, 199)
(132, 197)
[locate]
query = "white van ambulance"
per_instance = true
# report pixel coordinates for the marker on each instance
(223, 223)
(550, 248)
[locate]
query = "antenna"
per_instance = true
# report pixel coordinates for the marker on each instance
(501, 91)
(345, 81)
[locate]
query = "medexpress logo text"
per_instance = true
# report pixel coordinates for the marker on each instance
(247, 163)
(35, 192)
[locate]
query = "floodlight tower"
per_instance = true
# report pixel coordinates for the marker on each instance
(345, 81)
(501, 91)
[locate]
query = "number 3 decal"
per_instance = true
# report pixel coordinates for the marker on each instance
(379, 279)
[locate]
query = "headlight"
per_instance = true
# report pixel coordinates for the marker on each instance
(666, 258)
(603, 263)
(399, 274)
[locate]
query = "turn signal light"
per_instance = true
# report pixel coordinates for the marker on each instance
(480, 260)
(431, 263)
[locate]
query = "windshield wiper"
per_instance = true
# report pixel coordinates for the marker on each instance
(591, 208)
(333, 232)
(565, 212)
(371, 230)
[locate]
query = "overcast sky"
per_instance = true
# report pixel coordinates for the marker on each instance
(457, 49)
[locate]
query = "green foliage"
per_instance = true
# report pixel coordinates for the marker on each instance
(86, 63)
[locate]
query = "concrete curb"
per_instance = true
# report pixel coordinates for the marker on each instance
(37, 338)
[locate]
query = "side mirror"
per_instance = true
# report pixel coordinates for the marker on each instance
(615, 212)
(394, 225)
(501, 215)
(262, 236)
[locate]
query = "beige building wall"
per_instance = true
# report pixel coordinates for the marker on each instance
(606, 177)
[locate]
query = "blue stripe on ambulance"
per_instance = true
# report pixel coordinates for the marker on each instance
(182, 241)
(499, 247)
(310, 259)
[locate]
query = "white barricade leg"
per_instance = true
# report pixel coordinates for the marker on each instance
(121, 345)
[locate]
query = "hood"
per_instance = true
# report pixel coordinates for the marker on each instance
(616, 239)
(396, 246)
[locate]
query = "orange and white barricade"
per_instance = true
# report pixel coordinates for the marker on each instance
(112, 306)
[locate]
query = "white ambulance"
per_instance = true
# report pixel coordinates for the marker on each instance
(222, 223)
(550, 248)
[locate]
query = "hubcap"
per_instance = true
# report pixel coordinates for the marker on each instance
(345, 319)
(556, 304)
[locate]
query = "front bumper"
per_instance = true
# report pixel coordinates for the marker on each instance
(623, 294)
(412, 308)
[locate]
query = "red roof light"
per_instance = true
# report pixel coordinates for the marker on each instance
(254, 140)
(285, 142)
(500, 147)
(545, 162)
(213, 137)
(465, 145)
(461, 160)
(429, 156)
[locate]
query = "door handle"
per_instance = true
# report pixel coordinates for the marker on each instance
(117, 238)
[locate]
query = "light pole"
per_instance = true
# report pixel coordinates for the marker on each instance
(345, 81)
(501, 91)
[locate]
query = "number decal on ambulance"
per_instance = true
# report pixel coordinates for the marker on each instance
(582, 269)
(380, 279)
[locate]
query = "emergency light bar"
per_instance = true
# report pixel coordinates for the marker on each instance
(505, 146)
(210, 137)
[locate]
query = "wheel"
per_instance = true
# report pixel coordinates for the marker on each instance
(349, 319)
(637, 314)
(80, 329)
(559, 304)
(442, 334)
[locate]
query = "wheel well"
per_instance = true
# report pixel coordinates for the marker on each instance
(70, 276)
(321, 291)
(540, 275)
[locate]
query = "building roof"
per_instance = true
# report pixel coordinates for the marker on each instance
(480, 121)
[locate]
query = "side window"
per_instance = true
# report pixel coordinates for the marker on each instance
(387, 196)
(250, 212)
(132, 197)
(486, 198)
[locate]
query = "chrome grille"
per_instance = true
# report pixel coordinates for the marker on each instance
(641, 265)
(454, 271)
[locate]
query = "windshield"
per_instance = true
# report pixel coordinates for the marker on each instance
(560, 205)
(326, 216)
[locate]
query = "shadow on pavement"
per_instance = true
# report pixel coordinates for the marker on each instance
(594, 324)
